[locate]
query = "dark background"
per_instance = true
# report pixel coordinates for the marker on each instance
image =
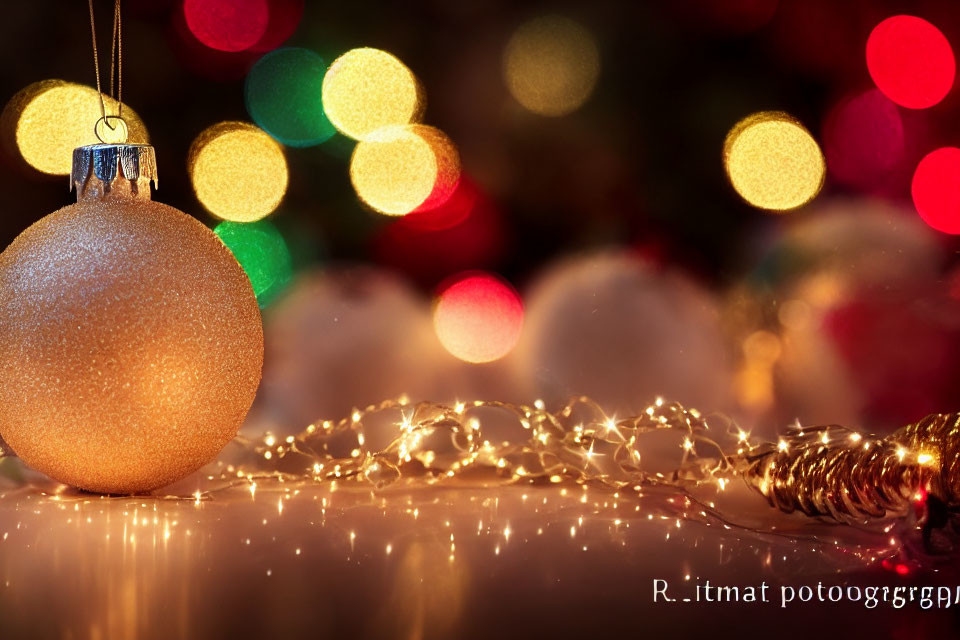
(638, 165)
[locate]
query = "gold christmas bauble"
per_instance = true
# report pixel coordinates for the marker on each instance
(131, 343)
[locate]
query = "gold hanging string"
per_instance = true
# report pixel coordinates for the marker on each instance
(116, 70)
(96, 59)
(116, 56)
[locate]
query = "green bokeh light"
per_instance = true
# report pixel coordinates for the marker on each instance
(283, 95)
(263, 254)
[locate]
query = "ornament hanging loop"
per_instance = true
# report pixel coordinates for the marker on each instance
(111, 130)
(116, 71)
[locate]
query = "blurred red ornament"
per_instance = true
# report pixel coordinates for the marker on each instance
(902, 349)
(911, 61)
(227, 25)
(936, 189)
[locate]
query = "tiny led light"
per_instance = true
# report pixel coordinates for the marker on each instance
(551, 65)
(773, 162)
(367, 89)
(239, 173)
(478, 318)
(911, 61)
(47, 120)
(402, 169)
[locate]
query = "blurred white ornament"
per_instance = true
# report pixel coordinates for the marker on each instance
(622, 332)
(343, 338)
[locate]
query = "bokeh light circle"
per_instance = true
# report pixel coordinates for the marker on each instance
(262, 252)
(478, 318)
(863, 138)
(47, 120)
(773, 162)
(227, 25)
(911, 61)
(366, 89)
(284, 97)
(936, 189)
(403, 169)
(238, 172)
(551, 65)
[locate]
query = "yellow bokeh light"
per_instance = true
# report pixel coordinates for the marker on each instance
(773, 162)
(47, 120)
(238, 171)
(551, 65)
(367, 89)
(398, 169)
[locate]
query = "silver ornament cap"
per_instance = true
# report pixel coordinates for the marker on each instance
(125, 170)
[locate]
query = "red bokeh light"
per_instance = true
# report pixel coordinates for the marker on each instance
(863, 139)
(220, 66)
(478, 318)
(911, 61)
(936, 189)
(227, 25)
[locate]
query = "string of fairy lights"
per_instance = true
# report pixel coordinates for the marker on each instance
(827, 471)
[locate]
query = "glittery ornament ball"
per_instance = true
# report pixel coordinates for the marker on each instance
(131, 345)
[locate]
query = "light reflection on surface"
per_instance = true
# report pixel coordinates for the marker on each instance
(282, 559)
(359, 528)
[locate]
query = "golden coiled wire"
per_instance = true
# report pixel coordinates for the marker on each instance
(835, 472)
